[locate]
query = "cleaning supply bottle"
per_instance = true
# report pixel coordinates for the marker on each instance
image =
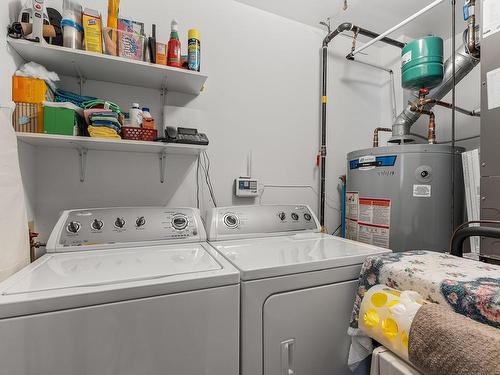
(174, 46)
(135, 115)
(194, 50)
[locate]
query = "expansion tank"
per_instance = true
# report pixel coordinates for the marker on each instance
(400, 197)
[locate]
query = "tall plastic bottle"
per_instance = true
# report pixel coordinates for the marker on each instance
(174, 46)
(194, 50)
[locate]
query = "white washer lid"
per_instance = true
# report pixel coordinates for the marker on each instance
(277, 256)
(65, 280)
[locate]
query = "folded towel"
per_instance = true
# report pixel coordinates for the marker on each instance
(444, 342)
(107, 124)
(102, 132)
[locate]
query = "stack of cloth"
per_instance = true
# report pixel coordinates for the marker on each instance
(103, 123)
(70, 97)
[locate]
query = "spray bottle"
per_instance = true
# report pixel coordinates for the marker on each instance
(174, 46)
(194, 49)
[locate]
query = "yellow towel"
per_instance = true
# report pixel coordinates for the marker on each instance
(102, 132)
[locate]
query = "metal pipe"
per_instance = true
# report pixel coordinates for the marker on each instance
(393, 99)
(398, 26)
(373, 65)
(375, 135)
(431, 132)
(461, 139)
(471, 29)
(473, 113)
(464, 64)
(453, 109)
(391, 80)
(324, 99)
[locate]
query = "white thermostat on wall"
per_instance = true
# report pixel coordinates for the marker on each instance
(246, 187)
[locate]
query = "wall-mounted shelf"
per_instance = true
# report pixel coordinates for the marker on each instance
(101, 67)
(84, 144)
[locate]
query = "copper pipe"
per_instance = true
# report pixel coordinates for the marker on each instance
(431, 133)
(375, 134)
(471, 31)
(425, 102)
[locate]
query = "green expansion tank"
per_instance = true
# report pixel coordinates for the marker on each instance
(422, 63)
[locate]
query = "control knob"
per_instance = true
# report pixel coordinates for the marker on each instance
(97, 224)
(119, 222)
(295, 216)
(180, 222)
(282, 216)
(140, 221)
(307, 216)
(231, 220)
(73, 227)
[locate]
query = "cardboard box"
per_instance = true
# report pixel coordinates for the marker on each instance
(161, 53)
(28, 118)
(92, 30)
(28, 90)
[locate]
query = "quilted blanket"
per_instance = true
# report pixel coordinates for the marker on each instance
(465, 286)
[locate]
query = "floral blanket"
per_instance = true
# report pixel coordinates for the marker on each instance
(469, 287)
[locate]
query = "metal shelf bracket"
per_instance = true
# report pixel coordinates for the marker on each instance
(163, 166)
(82, 153)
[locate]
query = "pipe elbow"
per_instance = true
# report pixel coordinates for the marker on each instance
(346, 26)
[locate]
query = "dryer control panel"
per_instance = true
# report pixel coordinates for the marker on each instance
(259, 221)
(125, 227)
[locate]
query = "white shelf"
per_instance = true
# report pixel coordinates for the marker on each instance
(106, 144)
(101, 67)
(84, 144)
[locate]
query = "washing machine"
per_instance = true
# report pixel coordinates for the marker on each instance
(122, 291)
(297, 287)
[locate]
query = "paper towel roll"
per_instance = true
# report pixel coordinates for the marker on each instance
(386, 315)
(14, 239)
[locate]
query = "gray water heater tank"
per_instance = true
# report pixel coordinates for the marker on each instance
(400, 197)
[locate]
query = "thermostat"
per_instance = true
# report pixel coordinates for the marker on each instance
(246, 187)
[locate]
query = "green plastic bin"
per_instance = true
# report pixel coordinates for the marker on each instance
(61, 121)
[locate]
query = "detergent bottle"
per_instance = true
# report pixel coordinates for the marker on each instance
(174, 46)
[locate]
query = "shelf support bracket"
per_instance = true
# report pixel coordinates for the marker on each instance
(82, 153)
(163, 166)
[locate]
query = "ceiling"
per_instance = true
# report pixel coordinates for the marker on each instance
(374, 15)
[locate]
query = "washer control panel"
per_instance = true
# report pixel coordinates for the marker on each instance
(259, 221)
(103, 227)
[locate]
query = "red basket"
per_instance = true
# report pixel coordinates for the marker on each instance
(138, 134)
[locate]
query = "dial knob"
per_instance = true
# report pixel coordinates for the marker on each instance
(295, 216)
(307, 216)
(282, 216)
(180, 222)
(119, 222)
(140, 221)
(231, 220)
(97, 224)
(73, 227)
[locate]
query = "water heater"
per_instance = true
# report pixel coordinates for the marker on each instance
(400, 197)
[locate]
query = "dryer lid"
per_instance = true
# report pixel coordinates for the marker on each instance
(278, 256)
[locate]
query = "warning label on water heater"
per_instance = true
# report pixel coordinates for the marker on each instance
(368, 220)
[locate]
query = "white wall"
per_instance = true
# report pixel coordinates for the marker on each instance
(262, 95)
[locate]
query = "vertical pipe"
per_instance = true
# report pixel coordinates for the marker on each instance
(323, 138)
(342, 205)
(453, 112)
(393, 99)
